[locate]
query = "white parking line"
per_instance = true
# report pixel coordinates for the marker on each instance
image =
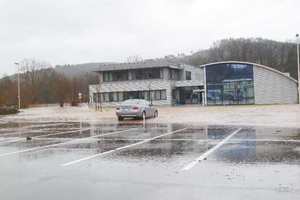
(63, 143)
(120, 148)
(61, 133)
(210, 151)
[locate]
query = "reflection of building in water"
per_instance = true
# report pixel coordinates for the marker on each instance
(240, 148)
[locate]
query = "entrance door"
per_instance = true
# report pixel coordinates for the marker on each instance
(187, 95)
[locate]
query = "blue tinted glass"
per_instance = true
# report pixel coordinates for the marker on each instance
(229, 83)
(220, 72)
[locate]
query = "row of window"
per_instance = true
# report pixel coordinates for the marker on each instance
(122, 96)
(142, 74)
(138, 74)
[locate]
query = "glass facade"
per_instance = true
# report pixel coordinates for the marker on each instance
(229, 84)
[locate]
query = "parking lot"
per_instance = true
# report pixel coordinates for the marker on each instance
(133, 160)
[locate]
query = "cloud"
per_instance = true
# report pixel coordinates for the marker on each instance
(74, 31)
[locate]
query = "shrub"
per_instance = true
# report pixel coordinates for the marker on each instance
(8, 110)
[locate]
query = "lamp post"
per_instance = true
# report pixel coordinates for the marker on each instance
(298, 69)
(19, 91)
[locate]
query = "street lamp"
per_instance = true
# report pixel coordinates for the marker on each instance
(19, 92)
(298, 62)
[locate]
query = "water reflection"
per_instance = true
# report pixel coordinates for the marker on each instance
(255, 145)
(250, 145)
(187, 144)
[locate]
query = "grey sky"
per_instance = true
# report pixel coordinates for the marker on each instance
(74, 31)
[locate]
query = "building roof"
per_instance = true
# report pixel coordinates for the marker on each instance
(138, 65)
(254, 64)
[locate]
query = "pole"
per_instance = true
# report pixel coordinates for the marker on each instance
(19, 90)
(298, 69)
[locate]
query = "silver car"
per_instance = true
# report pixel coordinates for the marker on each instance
(136, 108)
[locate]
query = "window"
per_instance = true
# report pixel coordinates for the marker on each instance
(174, 74)
(101, 97)
(163, 94)
(115, 76)
(157, 95)
(94, 97)
(115, 96)
(220, 72)
(147, 95)
(111, 97)
(107, 76)
(188, 75)
(106, 97)
(133, 95)
(97, 96)
(230, 84)
(141, 74)
(152, 95)
(120, 75)
(125, 96)
(141, 95)
(120, 96)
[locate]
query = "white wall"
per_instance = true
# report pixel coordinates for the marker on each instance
(197, 73)
(273, 88)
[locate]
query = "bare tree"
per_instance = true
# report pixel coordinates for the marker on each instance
(31, 75)
(62, 89)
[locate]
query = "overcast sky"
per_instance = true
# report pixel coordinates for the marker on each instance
(78, 31)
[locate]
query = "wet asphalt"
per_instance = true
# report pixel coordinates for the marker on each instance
(132, 160)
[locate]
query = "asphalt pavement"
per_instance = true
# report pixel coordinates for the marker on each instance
(136, 160)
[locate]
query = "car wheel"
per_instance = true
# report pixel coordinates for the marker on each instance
(155, 114)
(120, 118)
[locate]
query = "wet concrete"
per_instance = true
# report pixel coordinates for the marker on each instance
(255, 163)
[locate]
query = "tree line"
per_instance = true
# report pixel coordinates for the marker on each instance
(41, 84)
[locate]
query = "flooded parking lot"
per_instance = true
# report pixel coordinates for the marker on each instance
(133, 160)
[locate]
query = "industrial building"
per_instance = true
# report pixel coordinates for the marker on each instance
(165, 83)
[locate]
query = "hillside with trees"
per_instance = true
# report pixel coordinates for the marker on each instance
(43, 84)
(278, 55)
